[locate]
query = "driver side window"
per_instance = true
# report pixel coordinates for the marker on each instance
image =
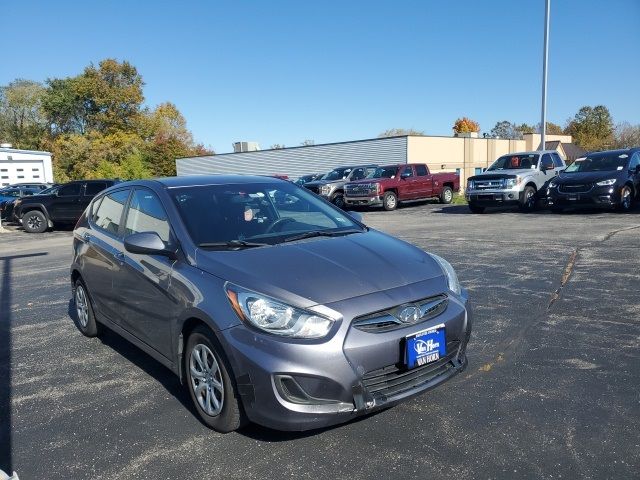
(546, 163)
(635, 161)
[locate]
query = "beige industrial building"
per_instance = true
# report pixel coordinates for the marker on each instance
(465, 154)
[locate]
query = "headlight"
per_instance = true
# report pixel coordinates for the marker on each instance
(279, 318)
(553, 185)
(470, 185)
(605, 183)
(325, 189)
(512, 182)
(452, 278)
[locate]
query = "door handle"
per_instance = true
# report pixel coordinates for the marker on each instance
(119, 256)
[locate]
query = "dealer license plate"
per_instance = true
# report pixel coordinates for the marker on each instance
(426, 347)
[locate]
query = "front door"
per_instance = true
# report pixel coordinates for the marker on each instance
(407, 185)
(66, 207)
(147, 308)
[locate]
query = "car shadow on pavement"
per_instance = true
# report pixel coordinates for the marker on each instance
(6, 461)
(145, 362)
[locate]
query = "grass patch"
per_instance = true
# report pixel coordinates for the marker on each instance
(458, 199)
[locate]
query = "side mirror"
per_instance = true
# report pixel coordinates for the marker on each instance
(147, 243)
(405, 175)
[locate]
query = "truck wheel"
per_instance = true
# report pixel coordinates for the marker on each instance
(390, 201)
(34, 222)
(528, 201)
(338, 200)
(475, 208)
(446, 196)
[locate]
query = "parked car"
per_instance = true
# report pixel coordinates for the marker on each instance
(608, 179)
(332, 185)
(8, 195)
(309, 178)
(390, 184)
(63, 205)
(290, 318)
(514, 179)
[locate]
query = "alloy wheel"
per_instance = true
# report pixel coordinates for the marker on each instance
(626, 198)
(82, 306)
(206, 380)
(448, 195)
(391, 201)
(34, 222)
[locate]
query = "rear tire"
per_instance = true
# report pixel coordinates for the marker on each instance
(34, 222)
(390, 201)
(528, 201)
(210, 382)
(475, 208)
(446, 196)
(84, 319)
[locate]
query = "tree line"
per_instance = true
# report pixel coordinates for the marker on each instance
(95, 124)
(592, 128)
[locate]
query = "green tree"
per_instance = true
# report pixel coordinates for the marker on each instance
(22, 121)
(506, 129)
(400, 132)
(554, 129)
(592, 128)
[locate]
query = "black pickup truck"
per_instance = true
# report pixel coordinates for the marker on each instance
(62, 205)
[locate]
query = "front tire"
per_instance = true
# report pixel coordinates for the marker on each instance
(528, 201)
(390, 201)
(84, 319)
(446, 196)
(338, 200)
(210, 383)
(626, 199)
(34, 222)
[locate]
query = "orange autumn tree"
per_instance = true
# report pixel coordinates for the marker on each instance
(466, 125)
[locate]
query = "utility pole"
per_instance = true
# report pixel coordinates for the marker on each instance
(545, 60)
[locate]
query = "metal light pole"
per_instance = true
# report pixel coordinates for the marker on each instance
(545, 60)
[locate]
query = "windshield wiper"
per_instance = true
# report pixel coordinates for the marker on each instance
(231, 245)
(320, 233)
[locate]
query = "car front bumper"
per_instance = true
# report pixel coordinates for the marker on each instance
(290, 384)
(600, 197)
(372, 201)
(493, 198)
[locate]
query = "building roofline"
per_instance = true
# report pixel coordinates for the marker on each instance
(17, 150)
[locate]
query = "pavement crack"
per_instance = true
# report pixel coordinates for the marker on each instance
(611, 234)
(566, 274)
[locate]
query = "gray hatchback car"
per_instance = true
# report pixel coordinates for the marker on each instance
(269, 303)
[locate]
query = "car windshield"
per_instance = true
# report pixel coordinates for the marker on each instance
(383, 172)
(260, 213)
(337, 174)
(514, 162)
(599, 163)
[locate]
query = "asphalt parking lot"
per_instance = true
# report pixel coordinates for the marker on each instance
(551, 391)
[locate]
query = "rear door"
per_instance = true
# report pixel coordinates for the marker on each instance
(103, 256)
(146, 305)
(424, 181)
(66, 207)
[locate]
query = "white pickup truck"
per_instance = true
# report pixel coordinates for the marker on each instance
(514, 179)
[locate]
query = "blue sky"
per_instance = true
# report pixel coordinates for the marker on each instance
(285, 71)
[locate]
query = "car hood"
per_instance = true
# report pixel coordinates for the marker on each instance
(324, 270)
(319, 183)
(496, 174)
(586, 177)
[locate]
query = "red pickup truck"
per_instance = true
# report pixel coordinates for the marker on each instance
(391, 184)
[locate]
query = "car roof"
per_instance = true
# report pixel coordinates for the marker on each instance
(199, 180)
(620, 151)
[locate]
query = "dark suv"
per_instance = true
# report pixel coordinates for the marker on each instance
(63, 205)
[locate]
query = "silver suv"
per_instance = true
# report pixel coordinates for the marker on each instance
(514, 179)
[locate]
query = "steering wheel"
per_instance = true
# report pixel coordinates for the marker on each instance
(279, 222)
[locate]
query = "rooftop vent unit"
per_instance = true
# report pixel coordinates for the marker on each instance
(245, 147)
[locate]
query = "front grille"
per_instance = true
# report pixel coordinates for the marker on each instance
(575, 188)
(487, 184)
(360, 190)
(391, 380)
(390, 319)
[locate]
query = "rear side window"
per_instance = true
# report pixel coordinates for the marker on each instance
(146, 214)
(69, 190)
(109, 212)
(421, 170)
(557, 161)
(94, 188)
